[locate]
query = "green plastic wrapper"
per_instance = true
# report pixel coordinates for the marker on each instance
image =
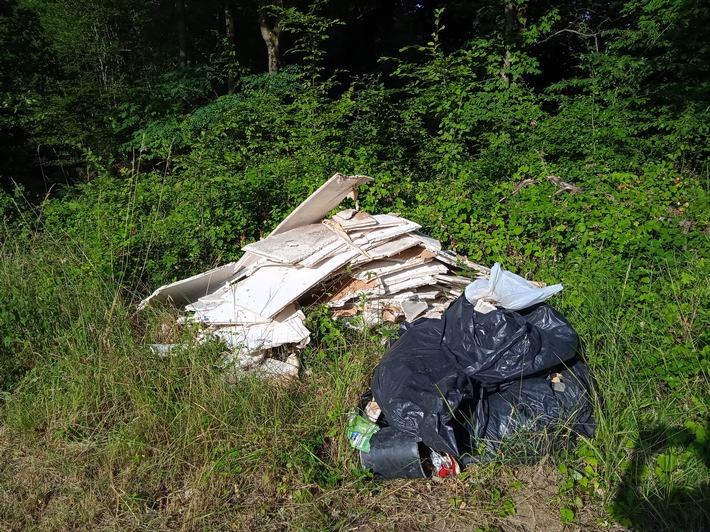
(360, 430)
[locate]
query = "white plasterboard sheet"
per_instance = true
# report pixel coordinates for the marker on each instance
(229, 312)
(454, 280)
(271, 288)
(427, 292)
(378, 236)
(422, 293)
(355, 288)
(351, 219)
(272, 368)
(393, 247)
(430, 269)
(295, 245)
(379, 268)
(258, 336)
(412, 309)
(191, 289)
(321, 202)
(328, 251)
(211, 300)
(432, 244)
(345, 214)
(389, 220)
(354, 297)
(408, 284)
(246, 264)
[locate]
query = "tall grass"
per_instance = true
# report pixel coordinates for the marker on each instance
(97, 432)
(652, 447)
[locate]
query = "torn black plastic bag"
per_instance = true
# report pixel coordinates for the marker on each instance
(527, 419)
(506, 345)
(419, 389)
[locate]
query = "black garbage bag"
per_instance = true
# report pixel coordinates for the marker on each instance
(506, 345)
(419, 388)
(526, 419)
(472, 378)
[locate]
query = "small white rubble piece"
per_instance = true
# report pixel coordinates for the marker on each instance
(366, 267)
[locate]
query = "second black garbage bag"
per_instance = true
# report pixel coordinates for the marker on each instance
(506, 345)
(419, 388)
(455, 381)
(524, 420)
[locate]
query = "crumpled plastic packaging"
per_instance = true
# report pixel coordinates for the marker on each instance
(508, 290)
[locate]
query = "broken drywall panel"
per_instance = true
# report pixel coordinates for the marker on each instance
(379, 236)
(415, 270)
(462, 263)
(270, 288)
(321, 202)
(351, 220)
(260, 336)
(191, 289)
(310, 211)
(211, 300)
(428, 292)
(393, 247)
(354, 288)
(424, 293)
(295, 245)
(246, 265)
(272, 368)
(344, 237)
(407, 284)
(413, 309)
(326, 252)
(454, 280)
(389, 220)
(229, 312)
(381, 268)
(410, 257)
(432, 244)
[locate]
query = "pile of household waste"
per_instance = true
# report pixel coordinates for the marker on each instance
(497, 376)
(367, 268)
(482, 367)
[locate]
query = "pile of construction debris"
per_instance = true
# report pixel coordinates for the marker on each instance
(368, 268)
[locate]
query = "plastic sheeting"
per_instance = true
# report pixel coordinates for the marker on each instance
(470, 378)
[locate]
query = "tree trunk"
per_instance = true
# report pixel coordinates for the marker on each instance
(229, 29)
(509, 29)
(182, 32)
(270, 32)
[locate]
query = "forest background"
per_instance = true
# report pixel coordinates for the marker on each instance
(144, 141)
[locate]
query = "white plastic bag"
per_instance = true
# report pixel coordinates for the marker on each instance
(507, 290)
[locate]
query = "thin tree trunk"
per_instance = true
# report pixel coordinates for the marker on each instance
(509, 28)
(182, 32)
(270, 32)
(229, 29)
